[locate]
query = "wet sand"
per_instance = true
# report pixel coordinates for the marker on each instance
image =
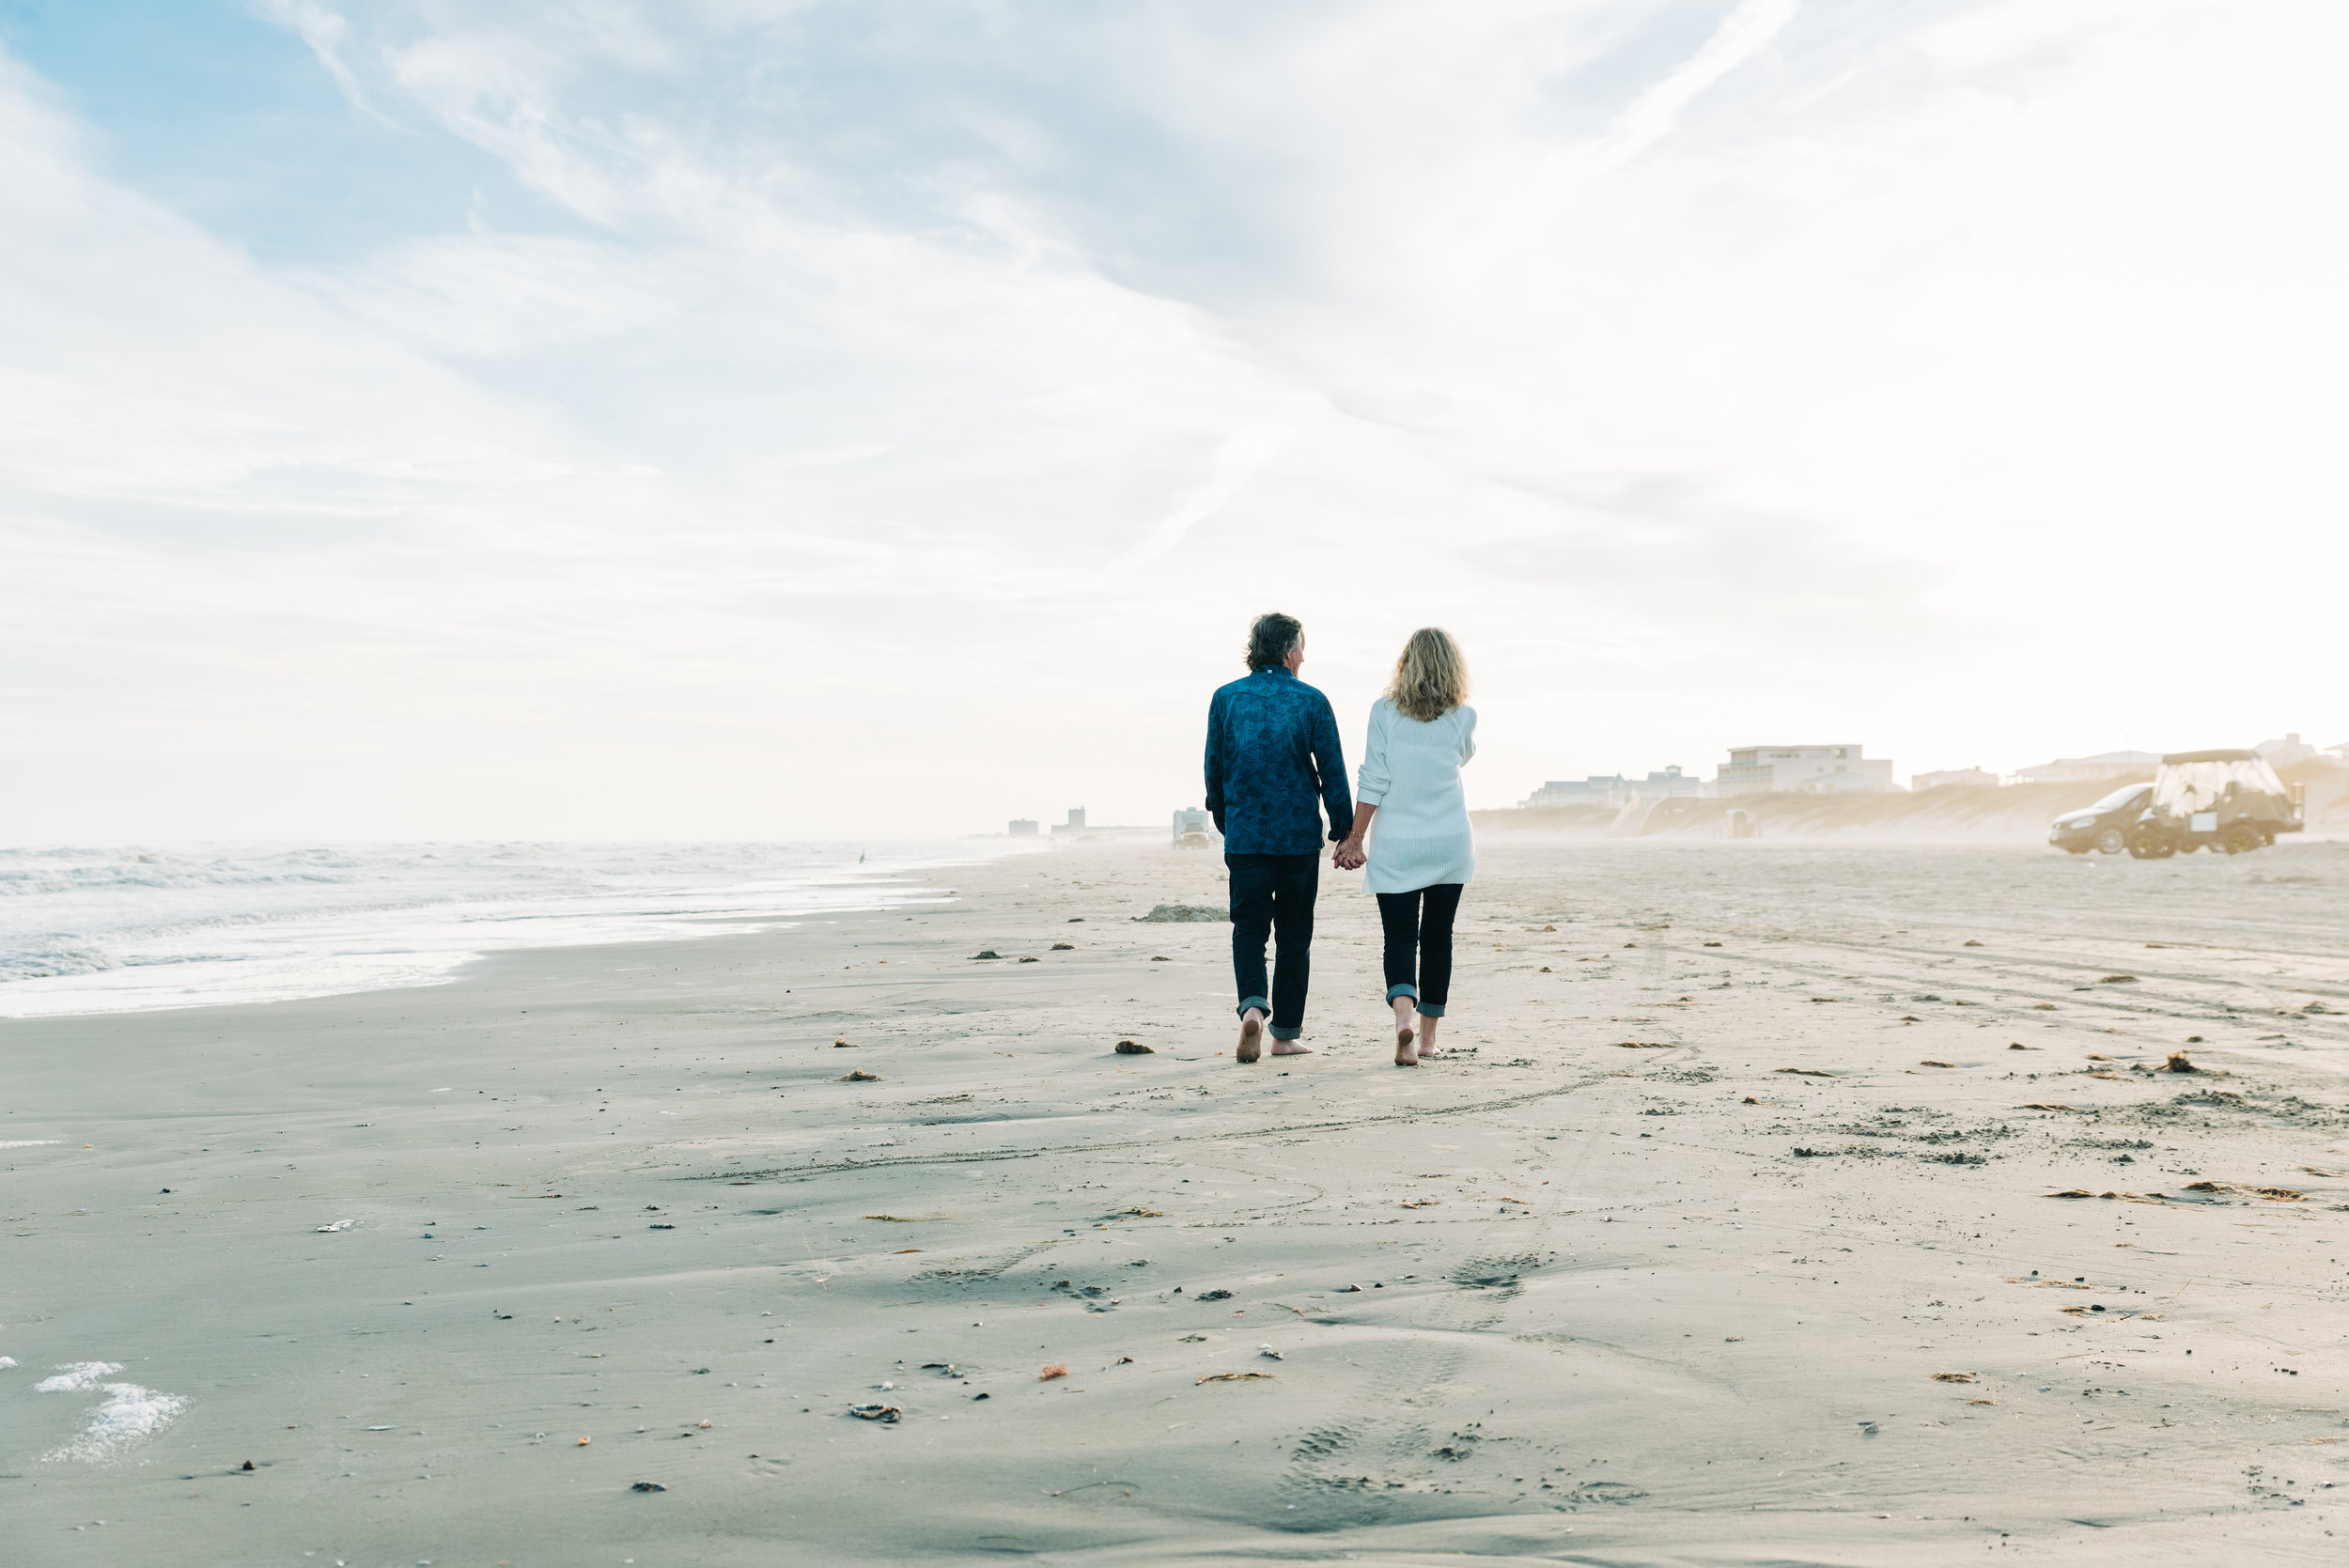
(1725, 1237)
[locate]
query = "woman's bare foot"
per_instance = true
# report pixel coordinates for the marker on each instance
(1290, 1048)
(1404, 1056)
(1426, 1037)
(1250, 1034)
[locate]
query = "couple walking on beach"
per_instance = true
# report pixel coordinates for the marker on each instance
(1274, 764)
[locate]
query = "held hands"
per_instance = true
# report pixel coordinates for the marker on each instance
(1349, 856)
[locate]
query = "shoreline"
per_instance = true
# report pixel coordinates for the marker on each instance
(1661, 1265)
(420, 941)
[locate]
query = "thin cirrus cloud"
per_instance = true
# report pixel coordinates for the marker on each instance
(873, 421)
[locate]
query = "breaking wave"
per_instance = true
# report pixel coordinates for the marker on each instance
(112, 929)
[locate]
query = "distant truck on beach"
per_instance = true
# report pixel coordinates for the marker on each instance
(1193, 829)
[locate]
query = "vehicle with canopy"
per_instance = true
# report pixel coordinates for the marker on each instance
(2224, 799)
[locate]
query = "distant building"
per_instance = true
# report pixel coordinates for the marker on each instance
(1952, 776)
(1022, 827)
(1599, 789)
(2104, 764)
(1076, 823)
(1612, 789)
(2287, 750)
(1671, 785)
(1804, 771)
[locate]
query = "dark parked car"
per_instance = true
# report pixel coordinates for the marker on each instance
(2105, 826)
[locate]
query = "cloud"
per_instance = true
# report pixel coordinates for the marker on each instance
(1656, 111)
(325, 31)
(915, 391)
(1240, 455)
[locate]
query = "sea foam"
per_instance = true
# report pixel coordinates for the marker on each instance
(73, 1379)
(130, 1415)
(103, 930)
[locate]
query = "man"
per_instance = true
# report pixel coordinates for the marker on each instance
(1273, 763)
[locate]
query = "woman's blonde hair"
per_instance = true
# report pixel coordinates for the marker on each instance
(1431, 679)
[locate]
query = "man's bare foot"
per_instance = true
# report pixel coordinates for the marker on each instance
(1426, 1037)
(1250, 1034)
(1290, 1048)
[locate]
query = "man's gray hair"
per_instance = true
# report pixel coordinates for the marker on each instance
(1272, 639)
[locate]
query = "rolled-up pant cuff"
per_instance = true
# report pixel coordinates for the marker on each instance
(1404, 989)
(1259, 1003)
(1283, 1032)
(1428, 1009)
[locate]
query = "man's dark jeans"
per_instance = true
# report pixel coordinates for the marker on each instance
(1272, 895)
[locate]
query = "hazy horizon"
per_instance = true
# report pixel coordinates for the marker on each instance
(785, 421)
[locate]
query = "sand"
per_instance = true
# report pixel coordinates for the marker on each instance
(1726, 1236)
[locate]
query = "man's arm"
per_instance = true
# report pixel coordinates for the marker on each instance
(1215, 761)
(1330, 762)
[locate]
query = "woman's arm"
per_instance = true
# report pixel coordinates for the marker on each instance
(1371, 785)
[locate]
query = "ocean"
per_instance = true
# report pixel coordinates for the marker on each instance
(121, 929)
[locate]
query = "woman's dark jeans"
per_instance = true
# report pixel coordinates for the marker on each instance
(1419, 926)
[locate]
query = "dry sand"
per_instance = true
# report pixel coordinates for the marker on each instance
(1610, 1311)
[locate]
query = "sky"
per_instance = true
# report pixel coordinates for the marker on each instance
(788, 418)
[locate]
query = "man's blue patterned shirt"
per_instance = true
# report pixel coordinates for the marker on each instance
(1272, 755)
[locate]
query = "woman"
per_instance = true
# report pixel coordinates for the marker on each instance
(1421, 732)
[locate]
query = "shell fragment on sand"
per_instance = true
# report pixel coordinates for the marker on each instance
(1163, 914)
(1235, 1377)
(875, 1412)
(858, 1077)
